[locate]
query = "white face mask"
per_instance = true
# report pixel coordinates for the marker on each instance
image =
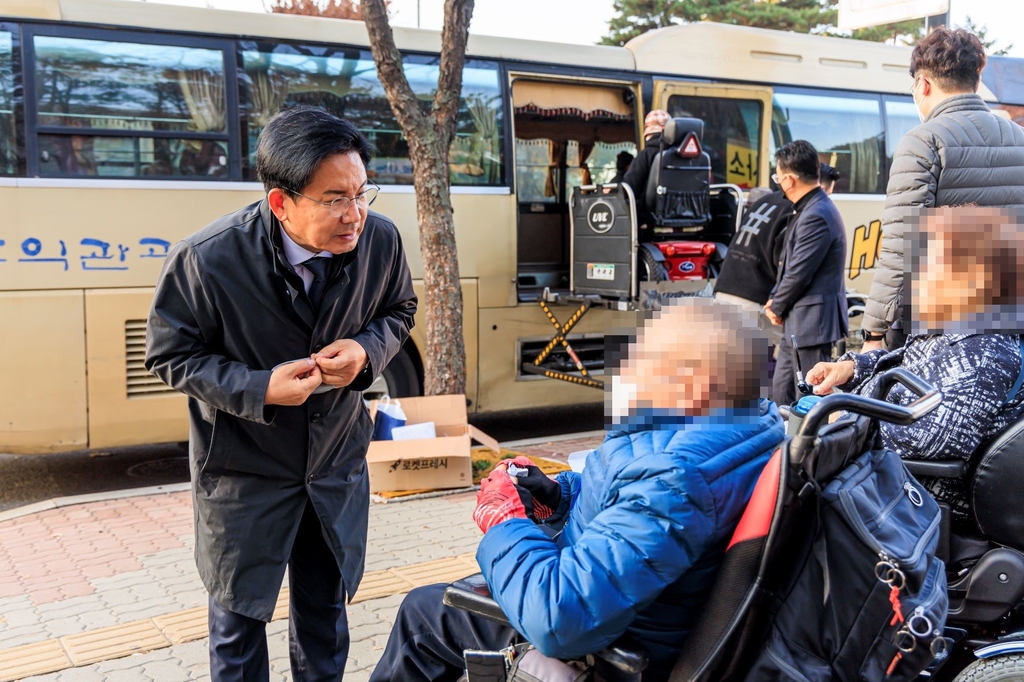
(623, 396)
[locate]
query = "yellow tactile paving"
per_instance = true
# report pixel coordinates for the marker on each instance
(283, 601)
(149, 634)
(104, 644)
(185, 626)
(381, 584)
(32, 659)
(429, 572)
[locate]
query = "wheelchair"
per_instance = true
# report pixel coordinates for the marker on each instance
(778, 523)
(985, 563)
(691, 222)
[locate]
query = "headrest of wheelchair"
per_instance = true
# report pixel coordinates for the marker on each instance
(996, 484)
(677, 129)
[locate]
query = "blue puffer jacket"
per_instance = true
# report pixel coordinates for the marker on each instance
(648, 523)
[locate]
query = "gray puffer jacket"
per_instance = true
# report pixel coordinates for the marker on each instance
(962, 153)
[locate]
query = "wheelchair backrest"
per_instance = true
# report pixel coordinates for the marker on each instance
(759, 564)
(678, 189)
(995, 485)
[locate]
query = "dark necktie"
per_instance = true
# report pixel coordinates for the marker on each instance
(318, 266)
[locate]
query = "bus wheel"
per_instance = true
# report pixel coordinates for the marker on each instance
(650, 269)
(400, 379)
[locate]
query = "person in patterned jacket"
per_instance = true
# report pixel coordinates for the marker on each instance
(979, 378)
(969, 269)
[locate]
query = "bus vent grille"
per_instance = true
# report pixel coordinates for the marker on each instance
(140, 383)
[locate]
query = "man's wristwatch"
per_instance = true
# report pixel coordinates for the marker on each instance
(866, 336)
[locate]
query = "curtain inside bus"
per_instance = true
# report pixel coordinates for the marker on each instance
(115, 109)
(846, 130)
(8, 139)
(344, 81)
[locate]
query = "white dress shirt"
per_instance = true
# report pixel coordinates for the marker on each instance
(298, 255)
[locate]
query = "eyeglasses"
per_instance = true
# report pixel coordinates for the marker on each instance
(339, 207)
(776, 178)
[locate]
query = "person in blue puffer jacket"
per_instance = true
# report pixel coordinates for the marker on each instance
(642, 530)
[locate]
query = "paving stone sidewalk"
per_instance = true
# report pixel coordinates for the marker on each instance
(74, 569)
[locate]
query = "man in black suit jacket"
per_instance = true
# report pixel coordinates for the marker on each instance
(809, 298)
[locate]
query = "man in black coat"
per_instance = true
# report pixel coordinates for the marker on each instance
(272, 320)
(751, 264)
(809, 298)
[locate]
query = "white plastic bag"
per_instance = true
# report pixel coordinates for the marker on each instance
(389, 415)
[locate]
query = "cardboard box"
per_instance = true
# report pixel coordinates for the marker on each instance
(430, 463)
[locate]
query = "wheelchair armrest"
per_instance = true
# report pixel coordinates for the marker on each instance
(939, 468)
(626, 654)
(472, 594)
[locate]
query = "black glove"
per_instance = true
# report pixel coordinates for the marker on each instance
(543, 493)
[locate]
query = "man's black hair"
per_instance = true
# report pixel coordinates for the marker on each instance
(953, 58)
(801, 159)
(297, 140)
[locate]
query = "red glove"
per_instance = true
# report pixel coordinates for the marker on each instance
(540, 495)
(497, 501)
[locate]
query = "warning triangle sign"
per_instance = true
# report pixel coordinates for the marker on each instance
(690, 146)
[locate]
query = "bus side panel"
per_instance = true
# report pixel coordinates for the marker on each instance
(862, 217)
(501, 328)
(470, 324)
(42, 362)
(127, 405)
(485, 233)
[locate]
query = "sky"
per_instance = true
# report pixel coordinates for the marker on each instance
(586, 21)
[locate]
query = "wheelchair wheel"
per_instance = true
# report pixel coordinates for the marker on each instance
(650, 269)
(1000, 669)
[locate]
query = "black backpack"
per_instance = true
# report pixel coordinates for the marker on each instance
(831, 574)
(869, 599)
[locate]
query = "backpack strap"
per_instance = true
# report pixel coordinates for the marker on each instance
(1015, 389)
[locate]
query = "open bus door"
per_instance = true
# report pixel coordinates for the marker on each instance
(738, 122)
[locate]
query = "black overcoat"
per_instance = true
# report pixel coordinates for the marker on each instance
(227, 309)
(810, 294)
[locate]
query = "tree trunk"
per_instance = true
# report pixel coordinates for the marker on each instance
(429, 139)
(444, 370)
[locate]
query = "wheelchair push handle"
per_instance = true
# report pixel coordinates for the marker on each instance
(874, 406)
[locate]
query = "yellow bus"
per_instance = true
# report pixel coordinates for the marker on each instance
(125, 126)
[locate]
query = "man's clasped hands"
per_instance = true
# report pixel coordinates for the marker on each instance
(530, 494)
(337, 364)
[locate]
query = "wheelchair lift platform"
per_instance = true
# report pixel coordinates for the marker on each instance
(583, 305)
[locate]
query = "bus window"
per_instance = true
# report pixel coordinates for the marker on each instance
(344, 81)
(900, 117)
(537, 171)
(732, 128)
(115, 109)
(8, 138)
(845, 129)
